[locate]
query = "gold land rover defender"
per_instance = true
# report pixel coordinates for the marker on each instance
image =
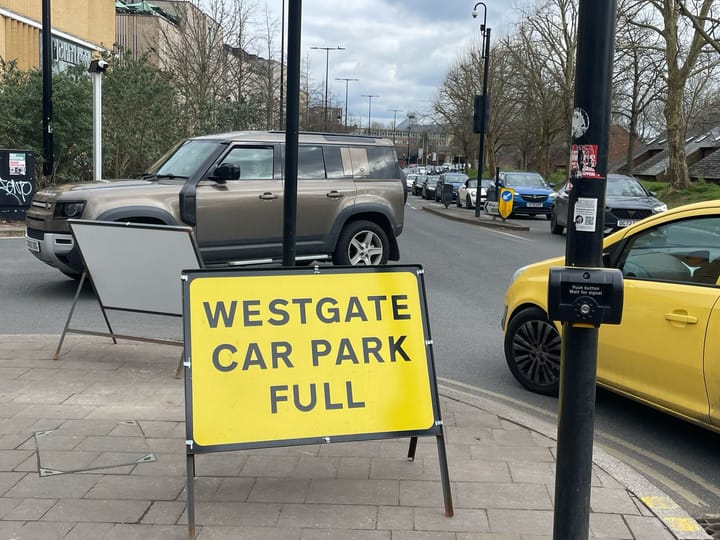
(230, 188)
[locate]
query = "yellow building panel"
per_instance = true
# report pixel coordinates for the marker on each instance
(92, 22)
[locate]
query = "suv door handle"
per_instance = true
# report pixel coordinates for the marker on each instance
(334, 194)
(268, 196)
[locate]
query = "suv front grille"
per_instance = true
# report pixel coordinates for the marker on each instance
(630, 213)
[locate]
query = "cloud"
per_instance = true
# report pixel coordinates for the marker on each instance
(399, 49)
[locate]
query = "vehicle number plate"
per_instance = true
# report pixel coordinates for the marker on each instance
(33, 245)
(534, 205)
(625, 222)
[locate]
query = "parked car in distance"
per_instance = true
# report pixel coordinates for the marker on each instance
(418, 182)
(450, 178)
(467, 192)
(410, 180)
(626, 201)
(533, 196)
(229, 188)
(666, 351)
(427, 191)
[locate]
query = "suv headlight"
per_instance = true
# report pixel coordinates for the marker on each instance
(69, 209)
(659, 208)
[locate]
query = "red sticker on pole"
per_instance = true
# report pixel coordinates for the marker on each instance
(583, 161)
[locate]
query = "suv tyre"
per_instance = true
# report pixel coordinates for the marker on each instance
(361, 243)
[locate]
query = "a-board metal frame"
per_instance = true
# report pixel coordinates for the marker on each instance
(436, 429)
(104, 308)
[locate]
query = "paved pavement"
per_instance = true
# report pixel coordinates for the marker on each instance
(468, 216)
(93, 446)
(12, 228)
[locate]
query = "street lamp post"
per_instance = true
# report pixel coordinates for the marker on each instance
(281, 121)
(370, 98)
(347, 80)
(411, 117)
(327, 66)
(485, 101)
(394, 111)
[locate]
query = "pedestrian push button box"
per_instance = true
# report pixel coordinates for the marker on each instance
(585, 295)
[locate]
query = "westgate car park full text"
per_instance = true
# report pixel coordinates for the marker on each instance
(278, 312)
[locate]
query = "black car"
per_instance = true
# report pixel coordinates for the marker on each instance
(427, 190)
(454, 179)
(626, 201)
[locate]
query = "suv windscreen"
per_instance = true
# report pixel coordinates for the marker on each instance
(184, 159)
(624, 186)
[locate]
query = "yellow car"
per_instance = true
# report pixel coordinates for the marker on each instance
(666, 351)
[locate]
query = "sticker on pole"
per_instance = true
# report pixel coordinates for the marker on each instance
(585, 214)
(288, 356)
(583, 161)
(505, 204)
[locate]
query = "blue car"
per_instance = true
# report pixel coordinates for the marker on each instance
(533, 196)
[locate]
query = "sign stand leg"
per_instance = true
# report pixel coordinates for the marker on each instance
(190, 473)
(178, 370)
(413, 447)
(107, 321)
(67, 329)
(445, 476)
(72, 310)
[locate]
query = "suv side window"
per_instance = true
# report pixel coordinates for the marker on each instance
(358, 158)
(336, 164)
(256, 163)
(383, 163)
(311, 164)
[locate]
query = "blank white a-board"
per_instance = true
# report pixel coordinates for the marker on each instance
(135, 266)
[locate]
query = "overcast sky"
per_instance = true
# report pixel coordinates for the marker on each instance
(399, 49)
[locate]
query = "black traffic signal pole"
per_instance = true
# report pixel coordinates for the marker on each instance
(483, 119)
(292, 129)
(591, 126)
(47, 113)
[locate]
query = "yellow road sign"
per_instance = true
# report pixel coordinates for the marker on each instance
(291, 355)
(505, 202)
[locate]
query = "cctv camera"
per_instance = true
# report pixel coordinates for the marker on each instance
(98, 66)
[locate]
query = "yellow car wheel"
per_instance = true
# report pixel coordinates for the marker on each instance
(532, 351)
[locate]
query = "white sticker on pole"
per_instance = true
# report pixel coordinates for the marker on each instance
(585, 214)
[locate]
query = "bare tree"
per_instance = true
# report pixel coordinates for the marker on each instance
(454, 104)
(549, 30)
(197, 61)
(638, 81)
(683, 50)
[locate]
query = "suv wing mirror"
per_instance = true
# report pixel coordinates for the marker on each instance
(225, 172)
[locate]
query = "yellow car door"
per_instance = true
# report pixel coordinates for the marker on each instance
(712, 364)
(657, 354)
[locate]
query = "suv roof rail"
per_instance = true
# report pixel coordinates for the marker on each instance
(338, 136)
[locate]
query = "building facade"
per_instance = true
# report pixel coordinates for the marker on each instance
(79, 28)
